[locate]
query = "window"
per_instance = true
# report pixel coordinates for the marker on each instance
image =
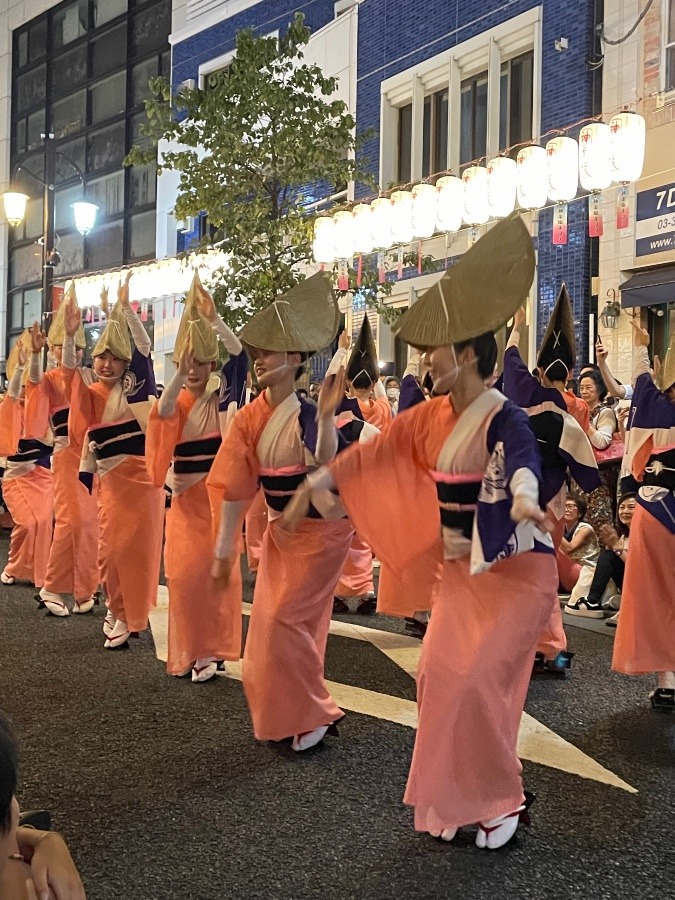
(515, 101)
(69, 115)
(63, 200)
(435, 133)
(140, 78)
(108, 194)
(109, 51)
(105, 246)
(669, 48)
(30, 89)
(473, 117)
(108, 98)
(143, 185)
(105, 10)
(69, 70)
(142, 241)
(70, 23)
(150, 28)
(404, 142)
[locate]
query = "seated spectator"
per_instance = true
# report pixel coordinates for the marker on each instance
(33, 864)
(596, 585)
(579, 546)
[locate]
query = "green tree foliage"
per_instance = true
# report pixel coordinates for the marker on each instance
(247, 147)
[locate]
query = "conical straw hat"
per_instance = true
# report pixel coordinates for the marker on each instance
(116, 336)
(303, 320)
(558, 344)
(194, 332)
(364, 354)
(13, 358)
(57, 330)
(666, 376)
(479, 293)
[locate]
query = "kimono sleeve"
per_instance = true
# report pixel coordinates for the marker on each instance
(11, 425)
(81, 413)
(390, 496)
(160, 441)
(521, 450)
(38, 408)
(234, 473)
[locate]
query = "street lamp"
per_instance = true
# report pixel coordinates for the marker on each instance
(14, 202)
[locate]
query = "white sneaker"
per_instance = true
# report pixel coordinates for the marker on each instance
(118, 636)
(497, 832)
(7, 579)
(53, 603)
(108, 623)
(83, 606)
(310, 739)
(204, 670)
(613, 621)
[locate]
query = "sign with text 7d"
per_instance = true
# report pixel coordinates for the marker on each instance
(655, 221)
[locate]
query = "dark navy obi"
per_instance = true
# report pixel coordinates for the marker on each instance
(279, 486)
(59, 422)
(457, 500)
(117, 439)
(660, 470)
(196, 457)
(31, 450)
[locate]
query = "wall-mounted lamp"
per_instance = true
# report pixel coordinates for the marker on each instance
(610, 314)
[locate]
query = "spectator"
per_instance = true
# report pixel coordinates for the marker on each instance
(609, 568)
(32, 863)
(314, 389)
(579, 544)
(602, 426)
(392, 387)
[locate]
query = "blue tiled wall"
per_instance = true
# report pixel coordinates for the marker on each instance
(265, 17)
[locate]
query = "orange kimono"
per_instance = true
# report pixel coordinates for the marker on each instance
(256, 523)
(108, 424)
(480, 644)
(28, 494)
(204, 620)
(73, 557)
(285, 647)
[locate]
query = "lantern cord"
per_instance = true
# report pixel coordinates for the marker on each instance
(614, 43)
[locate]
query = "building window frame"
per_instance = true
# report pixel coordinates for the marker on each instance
(667, 47)
(486, 52)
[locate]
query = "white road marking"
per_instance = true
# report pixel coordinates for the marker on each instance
(536, 742)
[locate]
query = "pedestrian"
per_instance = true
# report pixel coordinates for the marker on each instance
(184, 432)
(271, 442)
(474, 455)
(107, 421)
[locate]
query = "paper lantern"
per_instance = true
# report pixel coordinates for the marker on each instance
(363, 228)
(381, 223)
(424, 210)
(562, 154)
(402, 217)
(476, 209)
(501, 186)
(323, 246)
(450, 203)
(627, 146)
(532, 177)
(595, 165)
(343, 234)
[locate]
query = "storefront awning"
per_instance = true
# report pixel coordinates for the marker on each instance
(649, 287)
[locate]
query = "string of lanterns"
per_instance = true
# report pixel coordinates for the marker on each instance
(604, 154)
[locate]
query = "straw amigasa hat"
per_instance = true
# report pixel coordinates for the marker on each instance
(479, 293)
(194, 332)
(116, 336)
(666, 376)
(303, 320)
(13, 358)
(364, 355)
(57, 330)
(558, 344)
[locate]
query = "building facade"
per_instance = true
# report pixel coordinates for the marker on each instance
(79, 70)
(439, 85)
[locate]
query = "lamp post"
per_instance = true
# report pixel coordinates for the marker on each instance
(15, 208)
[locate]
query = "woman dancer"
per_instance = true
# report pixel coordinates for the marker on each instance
(645, 638)
(473, 454)
(73, 560)
(185, 426)
(27, 486)
(273, 441)
(108, 419)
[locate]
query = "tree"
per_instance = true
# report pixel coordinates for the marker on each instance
(263, 140)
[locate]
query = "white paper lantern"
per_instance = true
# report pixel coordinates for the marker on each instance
(424, 210)
(532, 177)
(402, 217)
(562, 154)
(476, 209)
(627, 131)
(323, 246)
(381, 223)
(450, 203)
(343, 235)
(501, 186)
(363, 228)
(595, 164)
